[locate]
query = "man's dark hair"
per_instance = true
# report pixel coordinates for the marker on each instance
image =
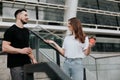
(19, 11)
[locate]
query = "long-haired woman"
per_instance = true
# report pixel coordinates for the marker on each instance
(75, 47)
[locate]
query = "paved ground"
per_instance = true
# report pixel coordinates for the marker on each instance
(4, 71)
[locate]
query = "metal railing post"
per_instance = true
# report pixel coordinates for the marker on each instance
(58, 58)
(84, 75)
(37, 49)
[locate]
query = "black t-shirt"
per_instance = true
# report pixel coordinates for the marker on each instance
(19, 38)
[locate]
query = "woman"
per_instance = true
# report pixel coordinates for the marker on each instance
(75, 47)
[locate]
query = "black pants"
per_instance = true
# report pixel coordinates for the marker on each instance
(17, 73)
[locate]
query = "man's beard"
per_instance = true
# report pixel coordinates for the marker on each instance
(23, 22)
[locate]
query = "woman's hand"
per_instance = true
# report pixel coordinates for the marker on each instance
(56, 46)
(49, 41)
(92, 42)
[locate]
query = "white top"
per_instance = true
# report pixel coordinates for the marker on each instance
(74, 48)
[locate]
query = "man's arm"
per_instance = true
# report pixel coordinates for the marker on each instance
(6, 47)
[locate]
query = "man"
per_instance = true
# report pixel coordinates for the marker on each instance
(16, 45)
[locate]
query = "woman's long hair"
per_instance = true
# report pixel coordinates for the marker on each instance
(77, 29)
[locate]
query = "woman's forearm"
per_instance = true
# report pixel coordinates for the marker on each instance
(61, 50)
(88, 50)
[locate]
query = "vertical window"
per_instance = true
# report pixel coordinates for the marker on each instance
(119, 21)
(0, 44)
(0, 8)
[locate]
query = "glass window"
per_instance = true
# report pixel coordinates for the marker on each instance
(106, 20)
(0, 44)
(82, 3)
(9, 9)
(52, 14)
(118, 21)
(106, 47)
(0, 9)
(88, 4)
(108, 5)
(119, 6)
(86, 17)
(98, 47)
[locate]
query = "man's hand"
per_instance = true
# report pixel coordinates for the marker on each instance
(26, 50)
(34, 61)
(30, 54)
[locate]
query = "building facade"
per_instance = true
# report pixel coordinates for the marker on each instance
(100, 18)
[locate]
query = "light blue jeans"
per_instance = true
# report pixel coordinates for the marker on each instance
(73, 68)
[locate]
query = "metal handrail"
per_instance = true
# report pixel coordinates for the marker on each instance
(105, 56)
(98, 11)
(50, 45)
(47, 67)
(50, 32)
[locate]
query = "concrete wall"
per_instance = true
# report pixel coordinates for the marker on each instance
(4, 71)
(102, 68)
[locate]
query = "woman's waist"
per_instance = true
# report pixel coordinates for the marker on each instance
(75, 55)
(75, 58)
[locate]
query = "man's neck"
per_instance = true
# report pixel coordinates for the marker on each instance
(19, 24)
